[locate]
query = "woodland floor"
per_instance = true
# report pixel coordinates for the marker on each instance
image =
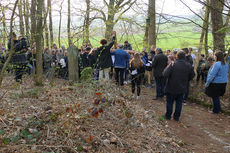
(62, 118)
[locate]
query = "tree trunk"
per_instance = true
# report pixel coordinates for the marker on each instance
(46, 33)
(109, 23)
(68, 25)
(26, 16)
(21, 22)
(146, 36)
(33, 20)
(12, 44)
(87, 22)
(50, 23)
(203, 32)
(206, 31)
(4, 27)
(59, 28)
(39, 47)
(73, 61)
(217, 24)
(152, 26)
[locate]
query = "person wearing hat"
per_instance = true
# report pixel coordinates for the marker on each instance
(127, 46)
(120, 63)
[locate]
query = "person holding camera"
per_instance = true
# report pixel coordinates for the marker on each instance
(19, 59)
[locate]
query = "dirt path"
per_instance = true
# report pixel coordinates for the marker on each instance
(199, 130)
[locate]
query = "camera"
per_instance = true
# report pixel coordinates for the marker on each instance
(20, 48)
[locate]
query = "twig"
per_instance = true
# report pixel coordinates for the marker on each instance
(3, 95)
(116, 137)
(104, 143)
(3, 122)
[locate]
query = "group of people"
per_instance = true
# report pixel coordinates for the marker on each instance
(170, 71)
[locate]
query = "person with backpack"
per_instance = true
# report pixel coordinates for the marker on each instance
(137, 68)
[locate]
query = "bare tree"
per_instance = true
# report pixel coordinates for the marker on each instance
(32, 19)
(50, 22)
(152, 25)
(68, 25)
(87, 22)
(59, 28)
(46, 27)
(217, 24)
(21, 22)
(26, 16)
(204, 29)
(39, 46)
(115, 8)
(4, 33)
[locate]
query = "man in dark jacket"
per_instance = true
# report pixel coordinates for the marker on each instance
(178, 75)
(120, 63)
(159, 64)
(189, 59)
(104, 58)
(84, 57)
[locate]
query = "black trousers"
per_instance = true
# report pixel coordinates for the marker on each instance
(119, 74)
(136, 81)
(200, 74)
(18, 73)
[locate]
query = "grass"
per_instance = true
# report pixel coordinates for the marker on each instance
(167, 40)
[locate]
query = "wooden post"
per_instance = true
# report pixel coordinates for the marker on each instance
(73, 63)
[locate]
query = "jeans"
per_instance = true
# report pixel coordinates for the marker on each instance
(136, 80)
(216, 105)
(119, 74)
(160, 86)
(104, 74)
(170, 98)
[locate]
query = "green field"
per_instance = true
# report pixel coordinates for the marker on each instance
(165, 41)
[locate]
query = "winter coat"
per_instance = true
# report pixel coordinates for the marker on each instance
(104, 55)
(160, 62)
(178, 75)
(218, 73)
(121, 58)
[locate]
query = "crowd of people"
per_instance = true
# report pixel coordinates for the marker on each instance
(170, 72)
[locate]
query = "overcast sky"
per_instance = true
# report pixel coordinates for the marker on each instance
(175, 7)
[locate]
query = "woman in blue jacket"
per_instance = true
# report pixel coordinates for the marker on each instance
(217, 80)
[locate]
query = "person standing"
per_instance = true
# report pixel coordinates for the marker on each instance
(137, 68)
(159, 63)
(189, 59)
(217, 80)
(104, 60)
(198, 69)
(120, 63)
(178, 73)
